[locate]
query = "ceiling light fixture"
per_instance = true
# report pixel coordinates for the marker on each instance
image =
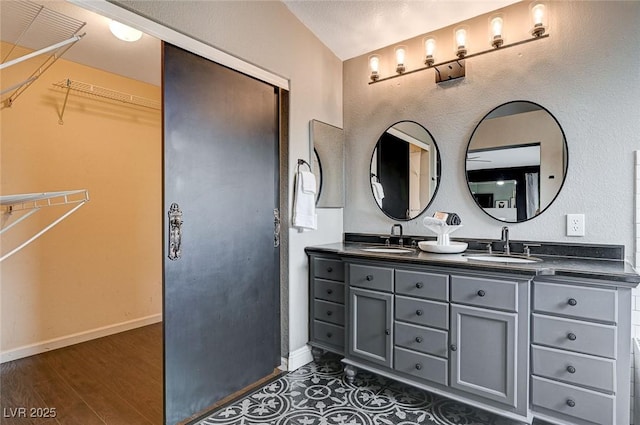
(124, 32)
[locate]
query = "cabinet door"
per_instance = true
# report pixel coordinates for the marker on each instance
(371, 325)
(483, 352)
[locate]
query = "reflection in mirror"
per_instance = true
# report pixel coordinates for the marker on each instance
(516, 161)
(405, 170)
(327, 148)
(316, 167)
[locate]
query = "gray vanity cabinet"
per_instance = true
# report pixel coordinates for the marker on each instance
(483, 352)
(580, 349)
(371, 322)
(326, 305)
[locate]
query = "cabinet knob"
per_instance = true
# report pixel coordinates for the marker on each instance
(572, 302)
(329, 269)
(419, 339)
(453, 347)
(329, 312)
(329, 334)
(481, 293)
(418, 366)
(329, 291)
(419, 285)
(571, 403)
(571, 336)
(387, 332)
(419, 312)
(571, 369)
(369, 277)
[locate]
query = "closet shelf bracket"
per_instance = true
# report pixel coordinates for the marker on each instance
(31, 203)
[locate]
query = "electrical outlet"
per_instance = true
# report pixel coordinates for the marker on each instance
(575, 224)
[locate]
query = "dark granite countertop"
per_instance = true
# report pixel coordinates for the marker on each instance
(617, 271)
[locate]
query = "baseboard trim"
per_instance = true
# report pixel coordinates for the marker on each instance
(298, 358)
(65, 341)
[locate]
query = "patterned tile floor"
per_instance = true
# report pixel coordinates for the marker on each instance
(317, 394)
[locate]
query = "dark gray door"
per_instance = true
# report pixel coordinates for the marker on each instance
(483, 352)
(221, 297)
(371, 325)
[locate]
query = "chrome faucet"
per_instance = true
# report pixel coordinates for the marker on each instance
(505, 238)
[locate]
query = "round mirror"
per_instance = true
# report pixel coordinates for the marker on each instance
(405, 170)
(516, 161)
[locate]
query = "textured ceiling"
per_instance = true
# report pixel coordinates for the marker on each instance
(348, 27)
(351, 28)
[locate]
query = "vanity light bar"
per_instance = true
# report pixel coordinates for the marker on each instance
(451, 69)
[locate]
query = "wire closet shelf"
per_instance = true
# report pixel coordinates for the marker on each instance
(31, 203)
(48, 33)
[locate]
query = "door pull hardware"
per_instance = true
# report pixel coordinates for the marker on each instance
(175, 232)
(276, 227)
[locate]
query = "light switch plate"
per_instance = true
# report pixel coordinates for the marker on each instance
(575, 225)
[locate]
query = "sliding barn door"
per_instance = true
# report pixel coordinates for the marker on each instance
(221, 273)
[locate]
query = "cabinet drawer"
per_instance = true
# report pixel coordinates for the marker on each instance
(425, 340)
(576, 301)
(568, 334)
(491, 293)
(422, 312)
(328, 290)
(594, 372)
(576, 402)
(421, 365)
(423, 285)
(370, 277)
(328, 312)
(325, 268)
(328, 333)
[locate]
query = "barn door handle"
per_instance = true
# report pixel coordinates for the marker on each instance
(175, 232)
(276, 227)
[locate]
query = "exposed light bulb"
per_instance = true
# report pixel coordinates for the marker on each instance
(538, 15)
(429, 48)
(374, 66)
(461, 41)
(401, 52)
(124, 32)
(496, 31)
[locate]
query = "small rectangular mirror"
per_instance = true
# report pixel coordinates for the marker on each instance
(327, 159)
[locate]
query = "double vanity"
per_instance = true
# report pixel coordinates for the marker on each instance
(547, 339)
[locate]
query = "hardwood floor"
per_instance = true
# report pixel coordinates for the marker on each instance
(115, 380)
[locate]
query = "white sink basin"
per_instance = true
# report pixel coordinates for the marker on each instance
(389, 250)
(497, 258)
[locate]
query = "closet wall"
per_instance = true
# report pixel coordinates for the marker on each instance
(100, 270)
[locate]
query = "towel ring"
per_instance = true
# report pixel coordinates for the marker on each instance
(302, 162)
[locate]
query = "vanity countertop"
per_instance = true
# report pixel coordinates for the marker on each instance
(618, 271)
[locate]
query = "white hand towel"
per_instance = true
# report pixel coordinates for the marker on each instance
(378, 191)
(308, 180)
(432, 221)
(304, 205)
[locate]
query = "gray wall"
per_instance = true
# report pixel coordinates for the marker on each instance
(587, 73)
